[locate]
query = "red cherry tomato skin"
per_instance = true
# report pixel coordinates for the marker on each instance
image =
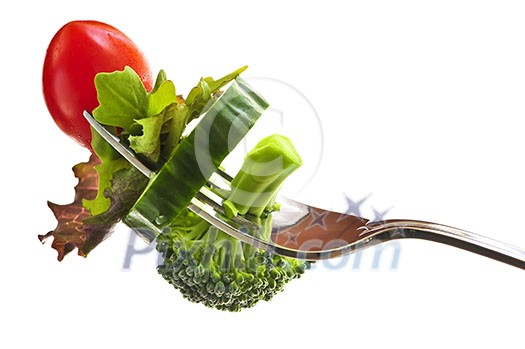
(77, 52)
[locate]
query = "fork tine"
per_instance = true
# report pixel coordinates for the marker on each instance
(220, 179)
(219, 186)
(115, 143)
(224, 175)
(207, 201)
(209, 197)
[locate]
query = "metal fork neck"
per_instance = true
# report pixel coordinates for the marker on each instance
(481, 245)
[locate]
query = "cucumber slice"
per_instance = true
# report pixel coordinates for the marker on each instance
(195, 159)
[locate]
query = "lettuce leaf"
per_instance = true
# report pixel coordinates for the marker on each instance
(69, 233)
(125, 104)
(201, 95)
(196, 103)
(76, 227)
(161, 97)
(110, 162)
(122, 98)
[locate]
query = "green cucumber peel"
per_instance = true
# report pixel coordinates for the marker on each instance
(196, 158)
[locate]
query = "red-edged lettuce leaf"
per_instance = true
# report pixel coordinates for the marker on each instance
(69, 232)
(76, 227)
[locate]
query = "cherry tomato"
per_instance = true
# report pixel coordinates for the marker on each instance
(77, 52)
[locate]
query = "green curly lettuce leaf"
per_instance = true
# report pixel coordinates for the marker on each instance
(125, 104)
(122, 98)
(201, 95)
(110, 162)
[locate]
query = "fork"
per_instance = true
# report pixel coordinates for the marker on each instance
(306, 232)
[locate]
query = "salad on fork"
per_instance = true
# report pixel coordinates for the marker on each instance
(226, 242)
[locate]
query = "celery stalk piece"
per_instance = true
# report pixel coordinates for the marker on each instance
(265, 168)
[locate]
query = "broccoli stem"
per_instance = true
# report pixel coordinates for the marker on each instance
(265, 167)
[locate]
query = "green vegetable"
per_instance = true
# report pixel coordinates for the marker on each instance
(209, 266)
(264, 170)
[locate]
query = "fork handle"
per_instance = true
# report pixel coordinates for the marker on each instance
(482, 245)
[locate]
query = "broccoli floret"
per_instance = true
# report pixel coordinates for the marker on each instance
(211, 267)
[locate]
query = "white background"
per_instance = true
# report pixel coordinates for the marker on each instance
(421, 105)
